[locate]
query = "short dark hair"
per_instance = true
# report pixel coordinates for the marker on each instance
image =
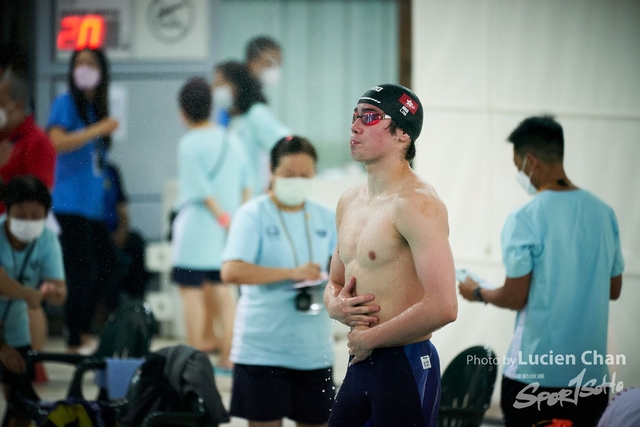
(291, 145)
(247, 88)
(195, 99)
(259, 44)
(410, 152)
(541, 136)
(27, 187)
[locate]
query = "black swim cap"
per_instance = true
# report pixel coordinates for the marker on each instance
(400, 103)
(27, 187)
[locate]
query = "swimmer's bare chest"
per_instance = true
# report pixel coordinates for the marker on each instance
(379, 258)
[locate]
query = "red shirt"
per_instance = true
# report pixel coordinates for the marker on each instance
(33, 154)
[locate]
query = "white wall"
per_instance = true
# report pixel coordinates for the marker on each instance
(480, 67)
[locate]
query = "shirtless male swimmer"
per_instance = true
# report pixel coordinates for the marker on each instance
(392, 276)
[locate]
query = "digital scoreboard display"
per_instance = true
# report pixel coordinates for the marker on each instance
(81, 31)
(93, 24)
(138, 30)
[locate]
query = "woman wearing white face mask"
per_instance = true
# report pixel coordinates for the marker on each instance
(239, 93)
(282, 350)
(80, 129)
(31, 255)
(264, 59)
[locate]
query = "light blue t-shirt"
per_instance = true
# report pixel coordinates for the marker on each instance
(79, 188)
(268, 330)
(45, 262)
(198, 239)
(569, 240)
(259, 130)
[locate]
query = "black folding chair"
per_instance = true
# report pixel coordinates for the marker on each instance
(467, 388)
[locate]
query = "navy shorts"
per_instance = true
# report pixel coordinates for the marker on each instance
(268, 393)
(194, 278)
(395, 386)
(8, 377)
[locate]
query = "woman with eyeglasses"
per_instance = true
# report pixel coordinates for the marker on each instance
(238, 92)
(80, 128)
(283, 342)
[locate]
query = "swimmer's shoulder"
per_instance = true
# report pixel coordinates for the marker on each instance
(419, 199)
(349, 196)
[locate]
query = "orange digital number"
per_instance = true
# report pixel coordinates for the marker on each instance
(68, 34)
(91, 33)
(80, 32)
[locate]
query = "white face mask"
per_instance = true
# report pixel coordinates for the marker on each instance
(270, 77)
(292, 191)
(222, 97)
(525, 180)
(85, 77)
(26, 230)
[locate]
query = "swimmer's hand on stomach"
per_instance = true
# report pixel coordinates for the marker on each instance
(348, 307)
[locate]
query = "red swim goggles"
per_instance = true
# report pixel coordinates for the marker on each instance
(369, 118)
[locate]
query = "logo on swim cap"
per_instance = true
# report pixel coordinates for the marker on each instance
(409, 103)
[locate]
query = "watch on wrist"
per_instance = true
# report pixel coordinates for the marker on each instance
(478, 295)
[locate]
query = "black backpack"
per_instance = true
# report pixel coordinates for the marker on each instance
(151, 392)
(175, 386)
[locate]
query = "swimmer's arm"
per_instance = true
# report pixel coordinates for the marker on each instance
(422, 221)
(335, 283)
(336, 269)
(240, 272)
